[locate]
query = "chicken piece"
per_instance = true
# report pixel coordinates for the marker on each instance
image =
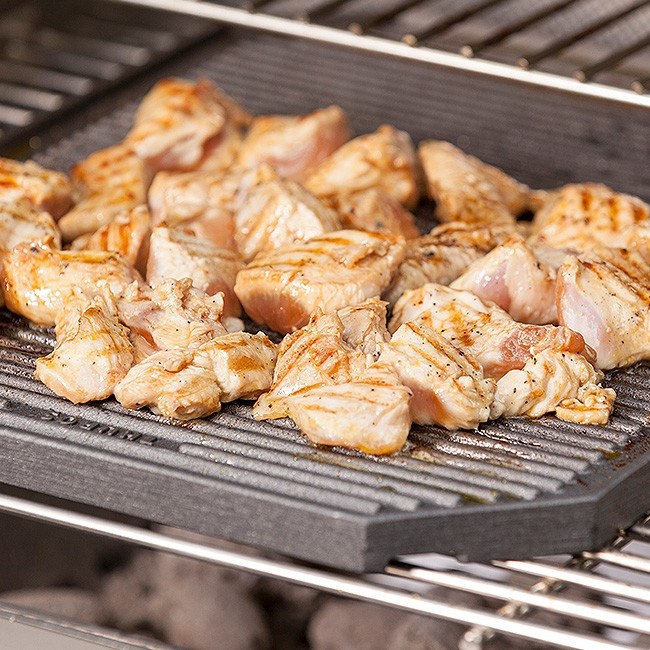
(447, 384)
(550, 380)
(106, 183)
(175, 253)
(282, 288)
(179, 123)
(272, 213)
(47, 190)
(443, 254)
(382, 160)
(38, 279)
(333, 394)
(467, 189)
(374, 210)
(294, 145)
(22, 222)
(606, 297)
(483, 330)
(93, 352)
(582, 217)
(171, 315)
(128, 234)
(364, 326)
(192, 383)
(512, 276)
(202, 202)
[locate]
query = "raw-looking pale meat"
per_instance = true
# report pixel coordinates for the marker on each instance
(106, 183)
(512, 276)
(334, 393)
(374, 210)
(201, 201)
(193, 383)
(38, 279)
(552, 380)
(482, 329)
(272, 212)
(282, 288)
(46, 189)
(92, 353)
(179, 123)
(21, 222)
(443, 254)
(583, 217)
(606, 297)
(447, 384)
(364, 326)
(382, 160)
(294, 145)
(467, 189)
(128, 234)
(175, 253)
(173, 314)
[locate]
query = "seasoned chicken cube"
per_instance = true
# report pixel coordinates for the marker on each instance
(272, 213)
(483, 330)
(447, 384)
(179, 123)
(376, 211)
(202, 202)
(93, 352)
(552, 380)
(282, 288)
(175, 253)
(467, 189)
(606, 297)
(294, 145)
(583, 217)
(128, 234)
(107, 183)
(364, 326)
(443, 254)
(21, 222)
(512, 276)
(38, 279)
(171, 315)
(382, 160)
(192, 383)
(46, 189)
(334, 394)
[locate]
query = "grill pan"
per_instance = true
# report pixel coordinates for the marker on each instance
(518, 488)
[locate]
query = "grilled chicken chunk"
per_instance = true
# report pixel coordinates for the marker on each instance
(181, 123)
(467, 189)
(447, 384)
(128, 234)
(512, 276)
(93, 352)
(364, 326)
(272, 213)
(554, 381)
(38, 280)
(606, 297)
(382, 160)
(443, 254)
(202, 202)
(193, 383)
(171, 315)
(334, 394)
(294, 145)
(106, 184)
(582, 217)
(175, 253)
(22, 222)
(47, 190)
(482, 329)
(282, 288)
(374, 210)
